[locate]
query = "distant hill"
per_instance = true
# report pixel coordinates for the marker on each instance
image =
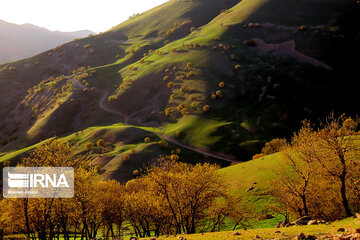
(26, 40)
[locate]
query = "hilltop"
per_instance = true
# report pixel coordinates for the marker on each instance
(26, 40)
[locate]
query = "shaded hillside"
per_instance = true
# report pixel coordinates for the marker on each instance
(26, 40)
(221, 77)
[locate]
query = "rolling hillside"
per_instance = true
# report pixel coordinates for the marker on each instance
(26, 40)
(215, 79)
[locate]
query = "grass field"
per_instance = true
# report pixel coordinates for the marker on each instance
(275, 233)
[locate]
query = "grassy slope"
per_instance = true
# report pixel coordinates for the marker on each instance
(270, 233)
(237, 124)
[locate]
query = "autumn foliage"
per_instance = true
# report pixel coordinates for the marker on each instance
(322, 175)
(169, 197)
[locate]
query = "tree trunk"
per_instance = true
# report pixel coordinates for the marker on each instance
(344, 197)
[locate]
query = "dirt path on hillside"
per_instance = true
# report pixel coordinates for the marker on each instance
(289, 48)
(103, 106)
(106, 108)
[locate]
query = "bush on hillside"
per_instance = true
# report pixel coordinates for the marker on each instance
(206, 108)
(303, 27)
(100, 142)
(170, 84)
(126, 157)
(163, 144)
(259, 155)
(274, 146)
(89, 146)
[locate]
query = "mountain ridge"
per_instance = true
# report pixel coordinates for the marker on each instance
(26, 40)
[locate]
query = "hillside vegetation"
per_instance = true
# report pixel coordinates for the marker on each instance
(216, 79)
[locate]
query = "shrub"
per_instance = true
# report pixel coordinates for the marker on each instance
(206, 108)
(183, 89)
(237, 67)
(126, 157)
(188, 65)
(163, 144)
(166, 78)
(170, 84)
(274, 146)
(172, 96)
(180, 107)
(170, 32)
(350, 124)
(221, 84)
(147, 140)
(175, 68)
(194, 104)
(112, 98)
(100, 142)
(259, 155)
(190, 74)
(168, 111)
(184, 111)
(89, 146)
(303, 27)
(192, 98)
(167, 70)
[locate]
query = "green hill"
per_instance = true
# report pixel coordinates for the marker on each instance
(213, 78)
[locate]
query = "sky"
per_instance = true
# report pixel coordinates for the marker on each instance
(73, 15)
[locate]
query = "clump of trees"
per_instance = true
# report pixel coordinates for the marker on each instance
(322, 175)
(169, 197)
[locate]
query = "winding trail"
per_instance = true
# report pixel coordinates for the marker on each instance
(106, 108)
(103, 106)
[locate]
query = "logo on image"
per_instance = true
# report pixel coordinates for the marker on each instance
(46, 182)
